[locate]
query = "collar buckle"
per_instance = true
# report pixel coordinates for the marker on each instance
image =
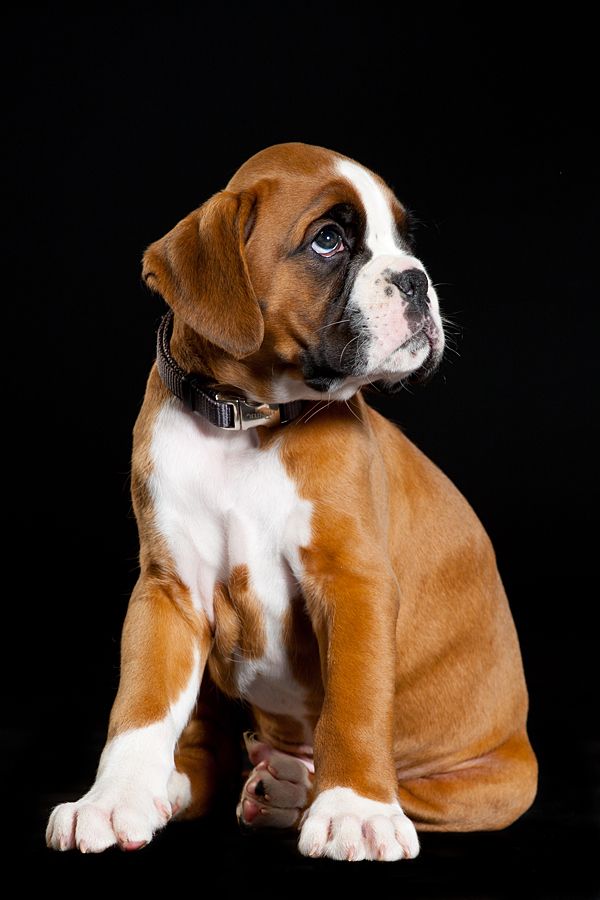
(248, 414)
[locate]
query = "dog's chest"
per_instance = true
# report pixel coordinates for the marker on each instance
(234, 525)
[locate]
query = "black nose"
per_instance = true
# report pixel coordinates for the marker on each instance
(413, 284)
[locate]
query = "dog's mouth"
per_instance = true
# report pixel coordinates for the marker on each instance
(425, 335)
(416, 341)
(416, 357)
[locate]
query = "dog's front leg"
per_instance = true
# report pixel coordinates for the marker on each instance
(355, 814)
(164, 649)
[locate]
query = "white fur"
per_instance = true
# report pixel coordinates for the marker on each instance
(129, 800)
(220, 501)
(179, 792)
(342, 824)
(384, 312)
(284, 389)
(380, 235)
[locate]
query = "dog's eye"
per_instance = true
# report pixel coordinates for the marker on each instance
(328, 242)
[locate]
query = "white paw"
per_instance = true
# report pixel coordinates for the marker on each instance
(277, 790)
(341, 824)
(179, 791)
(115, 812)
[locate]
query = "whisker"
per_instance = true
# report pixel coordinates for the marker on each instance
(321, 405)
(305, 414)
(331, 324)
(321, 409)
(351, 341)
(448, 323)
(352, 411)
(373, 385)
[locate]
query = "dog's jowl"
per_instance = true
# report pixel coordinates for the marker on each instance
(297, 552)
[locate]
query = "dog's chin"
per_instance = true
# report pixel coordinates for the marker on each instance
(413, 362)
(405, 360)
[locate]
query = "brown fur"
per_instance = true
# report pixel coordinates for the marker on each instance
(401, 636)
(452, 687)
(209, 752)
(195, 280)
(160, 631)
(253, 244)
(238, 626)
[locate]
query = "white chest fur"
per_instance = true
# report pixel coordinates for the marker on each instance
(220, 501)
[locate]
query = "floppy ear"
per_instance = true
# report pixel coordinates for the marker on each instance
(200, 269)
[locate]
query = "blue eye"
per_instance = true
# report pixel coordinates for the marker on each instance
(328, 241)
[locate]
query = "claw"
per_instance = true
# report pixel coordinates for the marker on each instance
(129, 846)
(165, 811)
(250, 811)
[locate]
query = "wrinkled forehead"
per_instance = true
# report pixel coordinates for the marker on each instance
(293, 196)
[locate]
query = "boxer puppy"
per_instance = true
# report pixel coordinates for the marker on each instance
(298, 553)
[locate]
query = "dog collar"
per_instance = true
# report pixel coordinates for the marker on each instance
(219, 404)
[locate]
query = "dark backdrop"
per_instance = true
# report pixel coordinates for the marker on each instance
(117, 126)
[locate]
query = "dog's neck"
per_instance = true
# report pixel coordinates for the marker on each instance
(190, 373)
(197, 355)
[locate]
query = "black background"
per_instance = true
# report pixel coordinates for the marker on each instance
(118, 125)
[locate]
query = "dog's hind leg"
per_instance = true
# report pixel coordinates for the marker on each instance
(483, 794)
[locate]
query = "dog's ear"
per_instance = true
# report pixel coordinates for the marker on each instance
(200, 269)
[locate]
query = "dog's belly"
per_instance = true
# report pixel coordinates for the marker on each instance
(234, 524)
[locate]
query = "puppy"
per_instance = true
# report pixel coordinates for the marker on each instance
(297, 552)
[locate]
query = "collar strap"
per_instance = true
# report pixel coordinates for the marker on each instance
(220, 405)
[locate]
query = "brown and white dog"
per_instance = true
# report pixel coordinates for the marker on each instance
(324, 571)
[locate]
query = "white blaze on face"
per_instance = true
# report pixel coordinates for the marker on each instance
(380, 235)
(391, 349)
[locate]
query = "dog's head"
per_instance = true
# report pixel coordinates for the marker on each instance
(299, 280)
